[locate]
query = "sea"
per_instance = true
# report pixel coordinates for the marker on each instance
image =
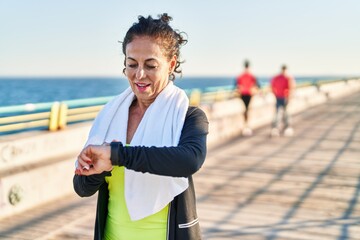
(24, 90)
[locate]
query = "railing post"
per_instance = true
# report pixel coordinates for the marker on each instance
(219, 96)
(195, 97)
(62, 116)
(54, 117)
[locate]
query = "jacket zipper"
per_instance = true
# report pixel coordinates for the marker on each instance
(168, 223)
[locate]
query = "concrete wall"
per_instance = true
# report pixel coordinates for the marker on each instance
(36, 167)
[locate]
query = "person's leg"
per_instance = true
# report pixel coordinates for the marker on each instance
(287, 121)
(275, 132)
(285, 116)
(246, 99)
(275, 122)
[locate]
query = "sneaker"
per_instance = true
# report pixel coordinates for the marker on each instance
(275, 132)
(247, 131)
(289, 131)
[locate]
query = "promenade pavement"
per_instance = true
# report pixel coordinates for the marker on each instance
(285, 188)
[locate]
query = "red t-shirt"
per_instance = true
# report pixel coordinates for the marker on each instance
(245, 82)
(280, 85)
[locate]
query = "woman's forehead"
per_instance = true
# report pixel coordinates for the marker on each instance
(144, 47)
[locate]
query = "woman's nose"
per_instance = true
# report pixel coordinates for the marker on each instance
(140, 73)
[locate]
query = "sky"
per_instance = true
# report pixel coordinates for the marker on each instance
(80, 37)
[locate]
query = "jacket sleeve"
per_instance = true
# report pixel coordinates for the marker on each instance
(179, 161)
(86, 186)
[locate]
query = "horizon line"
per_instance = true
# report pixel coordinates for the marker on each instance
(179, 77)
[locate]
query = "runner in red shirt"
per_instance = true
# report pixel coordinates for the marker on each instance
(282, 86)
(247, 86)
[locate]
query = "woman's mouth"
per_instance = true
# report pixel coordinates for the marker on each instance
(142, 86)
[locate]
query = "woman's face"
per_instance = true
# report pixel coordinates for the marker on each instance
(147, 68)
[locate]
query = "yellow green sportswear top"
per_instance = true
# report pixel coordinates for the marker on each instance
(119, 226)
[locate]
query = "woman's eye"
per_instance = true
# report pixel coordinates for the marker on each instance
(151, 66)
(132, 65)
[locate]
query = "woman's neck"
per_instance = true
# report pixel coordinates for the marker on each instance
(139, 106)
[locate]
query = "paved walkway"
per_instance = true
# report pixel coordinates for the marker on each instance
(303, 187)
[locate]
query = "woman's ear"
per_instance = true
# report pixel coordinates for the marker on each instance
(173, 63)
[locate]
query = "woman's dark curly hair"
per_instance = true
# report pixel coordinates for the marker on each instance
(159, 29)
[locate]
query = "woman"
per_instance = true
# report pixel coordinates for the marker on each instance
(144, 176)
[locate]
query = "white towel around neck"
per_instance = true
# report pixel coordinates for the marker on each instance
(161, 125)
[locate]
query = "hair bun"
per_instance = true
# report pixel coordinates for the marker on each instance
(165, 17)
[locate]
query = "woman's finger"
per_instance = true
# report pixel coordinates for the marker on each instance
(86, 155)
(89, 172)
(83, 164)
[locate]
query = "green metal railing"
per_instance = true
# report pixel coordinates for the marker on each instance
(55, 116)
